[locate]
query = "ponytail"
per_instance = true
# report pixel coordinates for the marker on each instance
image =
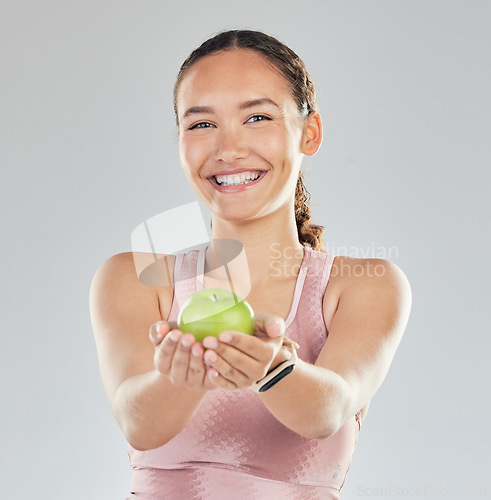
(308, 234)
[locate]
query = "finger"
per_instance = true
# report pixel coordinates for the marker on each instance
(164, 352)
(248, 344)
(197, 368)
(250, 356)
(225, 369)
(270, 324)
(180, 360)
(259, 349)
(211, 375)
(158, 331)
(217, 380)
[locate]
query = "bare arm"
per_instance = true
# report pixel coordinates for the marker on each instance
(316, 400)
(146, 383)
(363, 336)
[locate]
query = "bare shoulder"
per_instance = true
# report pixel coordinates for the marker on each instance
(147, 273)
(373, 273)
(149, 269)
(381, 279)
(113, 272)
(121, 262)
(122, 309)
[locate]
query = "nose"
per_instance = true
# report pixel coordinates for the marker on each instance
(231, 145)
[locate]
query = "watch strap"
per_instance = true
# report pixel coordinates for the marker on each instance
(280, 372)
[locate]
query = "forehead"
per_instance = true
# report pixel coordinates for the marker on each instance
(232, 74)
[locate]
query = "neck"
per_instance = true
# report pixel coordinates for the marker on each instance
(272, 250)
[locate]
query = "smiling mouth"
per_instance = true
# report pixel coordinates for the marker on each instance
(237, 179)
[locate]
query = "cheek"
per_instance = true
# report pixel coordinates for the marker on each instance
(269, 144)
(279, 147)
(191, 154)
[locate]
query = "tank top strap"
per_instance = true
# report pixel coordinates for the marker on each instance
(302, 274)
(174, 311)
(188, 278)
(326, 272)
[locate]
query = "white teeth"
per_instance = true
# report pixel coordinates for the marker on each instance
(233, 180)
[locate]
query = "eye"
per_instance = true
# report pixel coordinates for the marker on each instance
(257, 118)
(200, 125)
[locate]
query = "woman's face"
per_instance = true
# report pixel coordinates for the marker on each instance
(240, 135)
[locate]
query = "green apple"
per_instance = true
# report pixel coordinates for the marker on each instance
(213, 310)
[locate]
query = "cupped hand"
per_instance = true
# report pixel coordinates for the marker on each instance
(179, 357)
(237, 360)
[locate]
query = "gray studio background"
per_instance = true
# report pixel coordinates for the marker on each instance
(89, 151)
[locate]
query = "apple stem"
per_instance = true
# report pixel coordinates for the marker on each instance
(215, 298)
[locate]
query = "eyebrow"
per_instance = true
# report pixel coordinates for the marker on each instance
(195, 110)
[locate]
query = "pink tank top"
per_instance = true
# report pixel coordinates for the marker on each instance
(233, 447)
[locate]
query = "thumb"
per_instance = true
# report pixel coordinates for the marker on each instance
(272, 325)
(158, 331)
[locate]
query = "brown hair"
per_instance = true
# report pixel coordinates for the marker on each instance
(302, 90)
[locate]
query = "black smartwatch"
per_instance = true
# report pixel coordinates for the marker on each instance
(280, 372)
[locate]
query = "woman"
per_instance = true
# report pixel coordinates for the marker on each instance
(246, 112)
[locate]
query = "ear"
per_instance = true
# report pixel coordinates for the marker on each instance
(312, 135)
